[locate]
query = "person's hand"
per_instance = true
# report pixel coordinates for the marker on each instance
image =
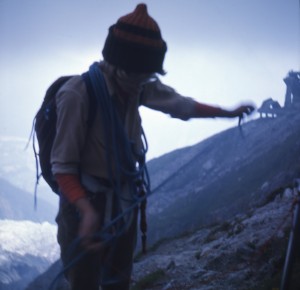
(89, 224)
(242, 110)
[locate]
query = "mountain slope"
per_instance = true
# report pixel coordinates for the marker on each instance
(16, 204)
(18, 167)
(226, 185)
(243, 253)
(223, 175)
(26, 250)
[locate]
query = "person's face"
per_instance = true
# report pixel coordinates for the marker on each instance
(139, 78)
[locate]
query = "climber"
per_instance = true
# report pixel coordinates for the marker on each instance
(95, 167)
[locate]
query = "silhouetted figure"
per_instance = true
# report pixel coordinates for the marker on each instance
(292, 95)
(269, 108)
(100, 169)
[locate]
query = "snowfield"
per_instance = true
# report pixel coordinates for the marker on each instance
(28, 238)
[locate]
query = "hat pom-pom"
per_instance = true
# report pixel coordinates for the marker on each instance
(141, 8)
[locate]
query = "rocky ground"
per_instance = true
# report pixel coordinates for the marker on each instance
(246, 252)
(241, 253)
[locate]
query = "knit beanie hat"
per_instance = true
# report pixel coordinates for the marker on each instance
(134, 43)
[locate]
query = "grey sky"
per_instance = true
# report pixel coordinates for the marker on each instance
(219, 52)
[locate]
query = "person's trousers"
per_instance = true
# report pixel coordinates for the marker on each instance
(110, 267)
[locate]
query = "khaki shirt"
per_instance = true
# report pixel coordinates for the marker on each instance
(80, 147)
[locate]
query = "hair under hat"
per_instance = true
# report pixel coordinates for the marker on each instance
(135, 43)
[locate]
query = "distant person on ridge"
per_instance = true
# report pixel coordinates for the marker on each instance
(292, 95)
(100, 169)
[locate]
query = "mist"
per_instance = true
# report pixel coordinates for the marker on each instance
(218, 53)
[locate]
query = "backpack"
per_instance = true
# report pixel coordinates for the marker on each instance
(44, 128)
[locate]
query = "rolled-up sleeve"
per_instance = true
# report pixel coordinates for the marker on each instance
(160, 97)
(71, 132)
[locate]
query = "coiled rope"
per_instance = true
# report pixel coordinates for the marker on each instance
(118, 148)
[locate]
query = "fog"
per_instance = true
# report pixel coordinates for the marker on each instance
(219, 52)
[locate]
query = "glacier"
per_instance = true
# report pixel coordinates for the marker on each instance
(27, 249)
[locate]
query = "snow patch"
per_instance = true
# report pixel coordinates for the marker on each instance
(27, 237)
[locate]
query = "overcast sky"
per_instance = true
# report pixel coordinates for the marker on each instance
(219, 52)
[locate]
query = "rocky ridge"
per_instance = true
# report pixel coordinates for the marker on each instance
(239, 254)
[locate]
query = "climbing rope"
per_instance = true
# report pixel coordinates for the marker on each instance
(119, 148)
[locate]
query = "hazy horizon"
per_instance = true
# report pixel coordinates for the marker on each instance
(218, 53)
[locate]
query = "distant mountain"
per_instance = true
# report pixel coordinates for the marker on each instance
(27, 249)
(18, 166)
(17, 204)
(44, 280)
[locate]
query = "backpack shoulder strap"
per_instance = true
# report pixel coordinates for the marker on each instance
(92, 98)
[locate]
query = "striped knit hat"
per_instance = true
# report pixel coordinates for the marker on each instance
(135, 44)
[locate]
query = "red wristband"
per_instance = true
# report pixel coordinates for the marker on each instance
(70, 186)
